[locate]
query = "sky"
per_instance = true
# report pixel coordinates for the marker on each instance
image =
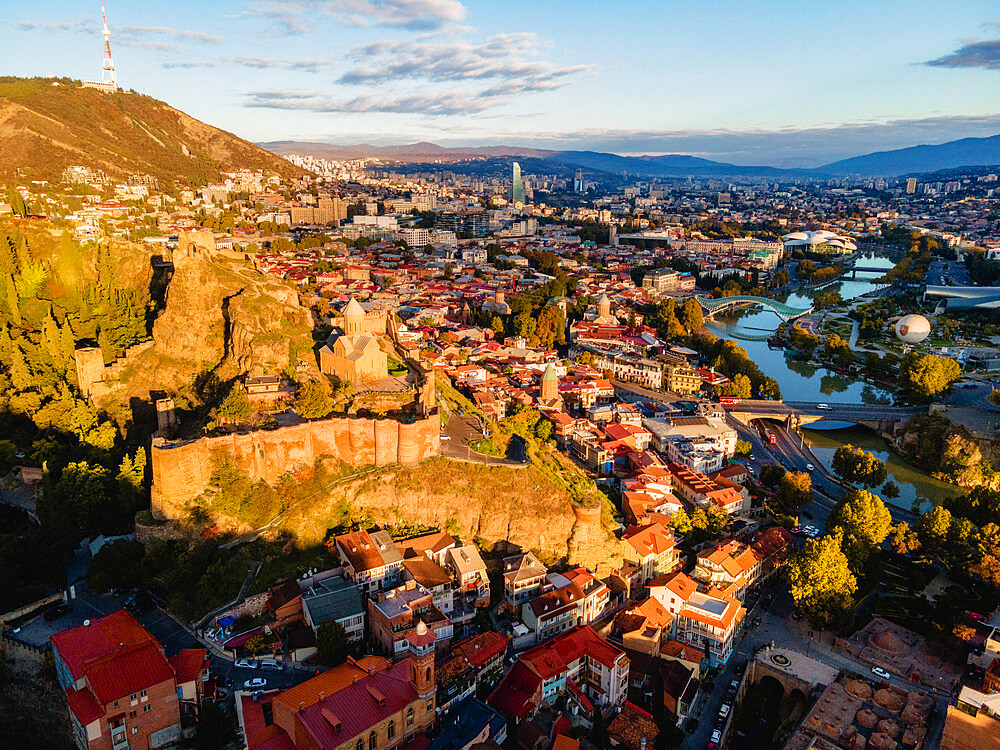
(781, 82)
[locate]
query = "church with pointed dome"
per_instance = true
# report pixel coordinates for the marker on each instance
(355, 354)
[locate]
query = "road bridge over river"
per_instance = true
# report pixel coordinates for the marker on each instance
(795, 413)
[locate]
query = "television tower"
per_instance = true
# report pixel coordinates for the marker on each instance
(108, 72)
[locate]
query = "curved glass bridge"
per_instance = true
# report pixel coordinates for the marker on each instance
(713, 306)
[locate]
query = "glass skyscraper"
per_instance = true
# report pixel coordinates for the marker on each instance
(517, 186)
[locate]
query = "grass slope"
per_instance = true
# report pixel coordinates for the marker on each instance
(49, 124)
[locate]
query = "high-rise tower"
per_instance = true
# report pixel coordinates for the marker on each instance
(517, 186)
(109, 79)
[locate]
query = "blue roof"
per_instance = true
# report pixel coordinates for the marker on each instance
(465, 722)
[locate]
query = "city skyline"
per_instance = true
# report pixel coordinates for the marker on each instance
(792, 87)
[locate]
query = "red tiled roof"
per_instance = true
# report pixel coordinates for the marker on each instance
(359, 706)
(118, 656)
(104, 636)
(84, 705)
(516, 693)
(480, 649)
(189, 663)
(128, 671)
(260, 735)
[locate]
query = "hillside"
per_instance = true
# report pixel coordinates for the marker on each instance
(966, 152)
(49, 124)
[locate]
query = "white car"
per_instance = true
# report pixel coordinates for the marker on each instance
(810, 467)
(824, 407)
(724, 711)
(445, 437)
(716, 735)
(878, 671)
(245, 663)
(257, 683)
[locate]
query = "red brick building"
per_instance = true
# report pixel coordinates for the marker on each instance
(121, 689)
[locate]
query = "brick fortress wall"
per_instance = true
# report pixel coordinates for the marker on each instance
(181, 469)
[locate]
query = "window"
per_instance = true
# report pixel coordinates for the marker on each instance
(116, 704)
(145, 709)
(132, 697)
(372, 741)
(131, 714)
(391, 731)
(409, 716)
(142, 693)
(360, 744)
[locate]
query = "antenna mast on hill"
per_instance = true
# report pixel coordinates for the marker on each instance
(109, 64)
(109, 80)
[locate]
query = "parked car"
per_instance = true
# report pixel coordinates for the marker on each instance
(716, 736)
(878, 671)
(246, 663)
(810, 467)
(257, 683)
(724, 711)
(272, 664)
(56, 611)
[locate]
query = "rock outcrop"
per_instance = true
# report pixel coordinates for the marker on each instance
(223, 312)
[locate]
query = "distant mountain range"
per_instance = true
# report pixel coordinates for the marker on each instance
(967, 152)
(48, 124)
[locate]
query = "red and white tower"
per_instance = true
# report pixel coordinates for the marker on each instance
(108, 72)
(109, 80)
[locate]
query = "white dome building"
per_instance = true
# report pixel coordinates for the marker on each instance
(912, 329)
(819, 241)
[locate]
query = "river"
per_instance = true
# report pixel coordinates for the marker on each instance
(800, 381)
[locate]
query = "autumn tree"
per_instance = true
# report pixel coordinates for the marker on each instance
(794, 491)
(864, 523)
(987, 568)
(858, 466)
(821, 581)
(313, 400)
(739, 386)
(235, 407)
(691, 316)
(802, 339)
(904, 540)
(925, 375)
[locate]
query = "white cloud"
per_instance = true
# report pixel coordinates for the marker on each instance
(298, 16)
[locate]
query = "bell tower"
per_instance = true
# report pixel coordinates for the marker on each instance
(422, 661)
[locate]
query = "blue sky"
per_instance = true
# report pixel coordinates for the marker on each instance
(785, 83)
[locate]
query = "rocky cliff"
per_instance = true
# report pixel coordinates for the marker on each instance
(502, 508)
(221, 315)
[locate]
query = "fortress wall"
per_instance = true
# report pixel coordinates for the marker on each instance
(182, 469)
(386, 442)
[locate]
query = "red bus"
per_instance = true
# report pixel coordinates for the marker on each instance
(729, 399)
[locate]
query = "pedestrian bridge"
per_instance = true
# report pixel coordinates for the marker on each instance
(786, 312)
